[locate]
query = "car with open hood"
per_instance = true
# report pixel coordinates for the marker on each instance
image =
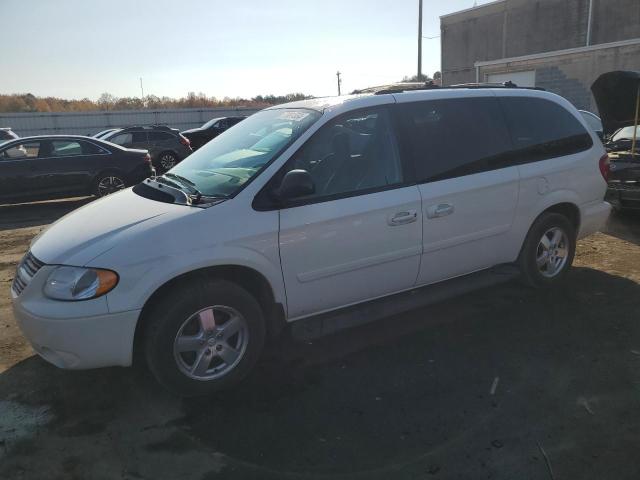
(617, 95)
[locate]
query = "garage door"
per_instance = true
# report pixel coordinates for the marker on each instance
(522, 79)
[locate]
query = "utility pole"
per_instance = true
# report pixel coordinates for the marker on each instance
(339, 82)
(142, 89)
(420, 40)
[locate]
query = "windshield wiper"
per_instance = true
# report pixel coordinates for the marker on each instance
(185, 182)
(180, 178)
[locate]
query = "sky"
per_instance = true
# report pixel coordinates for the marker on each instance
(241, 48)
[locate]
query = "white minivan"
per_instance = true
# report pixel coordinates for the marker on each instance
(323, 213)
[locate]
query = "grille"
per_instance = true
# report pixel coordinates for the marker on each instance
(27, 268)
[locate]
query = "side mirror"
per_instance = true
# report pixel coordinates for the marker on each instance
(296, 183)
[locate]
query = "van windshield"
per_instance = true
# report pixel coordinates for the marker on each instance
(226, 163)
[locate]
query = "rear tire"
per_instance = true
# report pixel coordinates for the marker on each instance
(107, 183)
(548, 251)
(166, 161)
(185, 343)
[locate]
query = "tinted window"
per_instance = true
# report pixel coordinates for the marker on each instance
(542, 129)
(352, 153)
(65, 148)
(139, 137)
(121, 139)
(159, 136)
(25, 150)
(454, 137)
(91, 149)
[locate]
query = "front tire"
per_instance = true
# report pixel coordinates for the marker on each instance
(548, 250)
(203, 337)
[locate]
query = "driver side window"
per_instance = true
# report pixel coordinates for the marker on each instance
(25, 150)
(354, 152)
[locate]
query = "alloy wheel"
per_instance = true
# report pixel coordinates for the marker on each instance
(552, 252)
(110, 184)
(211, 342)
(167, 161)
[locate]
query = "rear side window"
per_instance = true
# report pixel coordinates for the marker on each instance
(159, 136)
(454, 137)
(139, 137)
(121, 139)
(541, 129)
(91, 149)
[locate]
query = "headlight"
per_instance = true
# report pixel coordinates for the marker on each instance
(77, 283)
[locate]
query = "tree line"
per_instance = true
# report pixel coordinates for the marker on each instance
(30, 103)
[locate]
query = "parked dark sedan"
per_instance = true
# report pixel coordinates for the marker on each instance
(46, 167)
(210, 130)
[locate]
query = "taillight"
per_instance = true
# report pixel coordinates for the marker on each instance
(604, 167)
(185, 141)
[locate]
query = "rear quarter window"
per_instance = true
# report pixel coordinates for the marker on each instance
(541, 129)
(160, 136)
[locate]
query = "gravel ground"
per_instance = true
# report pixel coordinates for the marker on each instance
(503, 383)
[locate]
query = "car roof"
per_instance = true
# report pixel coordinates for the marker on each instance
(386, 95)
(54, 137)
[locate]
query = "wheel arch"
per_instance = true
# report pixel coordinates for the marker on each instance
(566, 208)
(246, 277)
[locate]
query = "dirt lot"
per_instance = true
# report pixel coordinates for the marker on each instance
(504, 383)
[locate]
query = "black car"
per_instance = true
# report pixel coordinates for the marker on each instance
(57, 166)
(618, 97)
(7, 134)
(210, 130)
(166, 145)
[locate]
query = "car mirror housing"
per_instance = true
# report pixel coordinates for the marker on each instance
(296, 183)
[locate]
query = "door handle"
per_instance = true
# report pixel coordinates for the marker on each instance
(440, 210)
(402, 218)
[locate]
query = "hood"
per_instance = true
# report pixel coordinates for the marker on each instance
(91, 230)
(616, 95)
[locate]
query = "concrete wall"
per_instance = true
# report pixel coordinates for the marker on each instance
(571, 75)
(513, 28)
(88, 123)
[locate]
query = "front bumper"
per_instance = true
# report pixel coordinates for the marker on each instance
(81, 343)
(74, 335)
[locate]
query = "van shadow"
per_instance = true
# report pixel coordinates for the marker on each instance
(625, 225)
(20, 215)
(463, 388)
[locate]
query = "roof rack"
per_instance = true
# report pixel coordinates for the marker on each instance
(154, 126)
(430, 85)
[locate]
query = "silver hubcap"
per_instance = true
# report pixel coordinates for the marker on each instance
(167, 161)
(109, 185)
(211, 342)
(552, 252)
